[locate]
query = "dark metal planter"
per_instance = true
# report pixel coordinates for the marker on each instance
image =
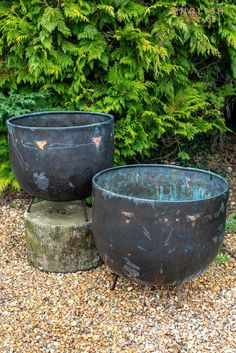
(158, 224)
(54, 155)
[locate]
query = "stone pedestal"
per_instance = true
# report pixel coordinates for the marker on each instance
(58, 238)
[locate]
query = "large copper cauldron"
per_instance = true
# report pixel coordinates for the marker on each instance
(54, 155)
(158, 224)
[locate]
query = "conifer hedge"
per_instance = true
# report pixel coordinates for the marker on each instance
(163, 68)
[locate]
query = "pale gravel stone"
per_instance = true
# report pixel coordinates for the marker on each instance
(77, 313)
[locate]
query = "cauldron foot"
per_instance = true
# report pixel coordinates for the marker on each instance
(180, 294)
(85, 210)
(30, 204)
(143, 294)
(115, 277)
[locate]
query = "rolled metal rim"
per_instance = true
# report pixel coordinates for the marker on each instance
(13, 120)
(146, 200)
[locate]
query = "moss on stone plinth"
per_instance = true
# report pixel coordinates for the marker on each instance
(58, 239)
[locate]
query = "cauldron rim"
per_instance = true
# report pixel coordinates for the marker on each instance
(10, 121)
(151, 201)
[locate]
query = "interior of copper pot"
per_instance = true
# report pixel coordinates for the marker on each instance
(59, 119)
(161, 183)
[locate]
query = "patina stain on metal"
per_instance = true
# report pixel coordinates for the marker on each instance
(158, 224)
(54, 155)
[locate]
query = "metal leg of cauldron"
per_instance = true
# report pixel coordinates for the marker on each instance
(144, 291)
(30, 204)
(144, 300)
(115, 277)
(180, 294)
(85, 210)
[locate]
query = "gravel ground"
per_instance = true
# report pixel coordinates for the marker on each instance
(77, 312)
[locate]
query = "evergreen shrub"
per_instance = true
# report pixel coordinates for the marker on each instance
(163, 68)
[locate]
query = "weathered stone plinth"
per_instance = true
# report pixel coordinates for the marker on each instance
(58, 238)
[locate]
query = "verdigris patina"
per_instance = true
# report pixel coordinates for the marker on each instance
(158, 224)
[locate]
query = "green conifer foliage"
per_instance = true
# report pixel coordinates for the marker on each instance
(159, 66)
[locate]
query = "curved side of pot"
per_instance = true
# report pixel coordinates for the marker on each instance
(58, 164)
(157, 243)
